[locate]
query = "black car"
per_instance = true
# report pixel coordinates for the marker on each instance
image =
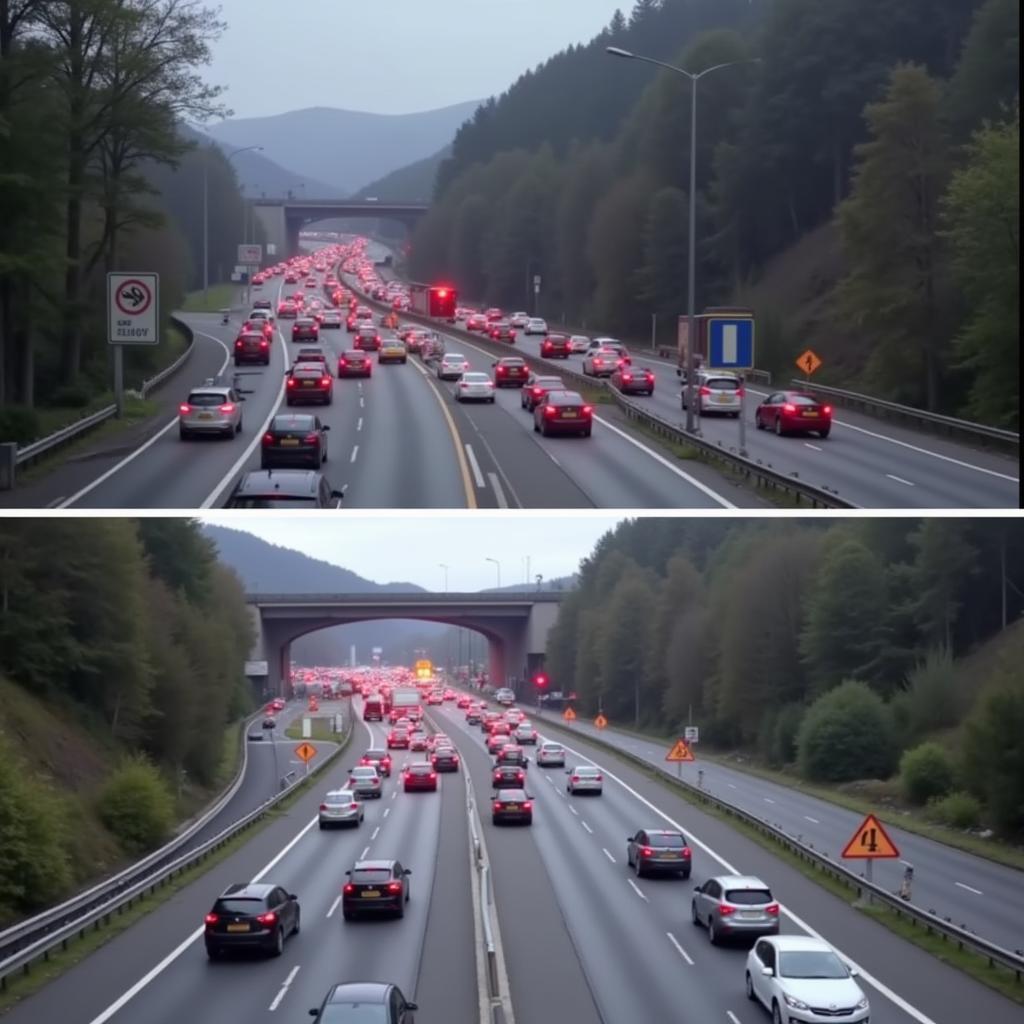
(512, 805)
(375, 886)
(354, 363)
(305, 329)
(251, 916)
(555, 346)
(445, 759)
(508, 776)
(364, 1002)
(294, 439)
(284, 488)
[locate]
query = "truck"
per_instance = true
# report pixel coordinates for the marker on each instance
(402, 699)
(436, 300)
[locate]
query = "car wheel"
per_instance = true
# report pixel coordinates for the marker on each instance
(213, 952)
(544, 430)
(491, 400)
(238, 429)
(757, 421)
(536, 429)
(298, 923)
(586, 433)
(639, 870)
(323, 826)
(823, 434)
(348, 915)
(713, 936)
(750, 988)
(776, 1013)
(778, 426)
(694, 916)
(183, 434)
(278, 947)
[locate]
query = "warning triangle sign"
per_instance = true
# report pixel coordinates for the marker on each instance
(870, 842)
(680, 752)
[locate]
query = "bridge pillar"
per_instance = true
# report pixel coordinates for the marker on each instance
(272, 220)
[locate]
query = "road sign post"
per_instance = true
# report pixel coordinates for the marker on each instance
(870, 843)
(680, 752)
(133, 318)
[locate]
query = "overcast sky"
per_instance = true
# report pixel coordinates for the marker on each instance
(389, 56)
(388, 548)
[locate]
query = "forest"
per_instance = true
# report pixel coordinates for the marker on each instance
(98, 173)
(857, 185)
(122, 645)
(837, 650)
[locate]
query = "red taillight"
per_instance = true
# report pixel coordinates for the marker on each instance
(291, 382)
(537, 392)
(394, 886)
(348, 888)
(184, 409)
(789, 407)
(627, 376)
(211, 919)
(433, 775)
(827, 410)
(587, 410)
(599, 778)
(263, 343)
(325, 381)
(687, 854)
(323, 807)
(705, 391)
(227, 407)
(238, 344)
(550, 410)
(575, 778)
(646, 851)
(313, 438)
(501, 370)
(740, 392)
(725, 910)
(528, 806)
(497, 805)
(268, 919)
(773, 909)
(362, 760)
(353, 806)
(268, 438)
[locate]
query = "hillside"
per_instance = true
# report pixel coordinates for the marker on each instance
(352, 147)
(413, 183)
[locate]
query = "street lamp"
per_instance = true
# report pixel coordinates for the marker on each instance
(497, 565)
(441, 565)
(691, 336)
(206, 218)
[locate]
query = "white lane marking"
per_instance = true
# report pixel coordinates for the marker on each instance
(474, 466)
(225, 482)
(874, 982)
(692, 481)
(970, 888)
(355, 452)
(362, 404)
(679, 949)
(574, 811)
(767, 799)
(375, 831)
(815, 820)
(359, 425)
(284, 988)
(637, 890)
(394, 795)
(732, 1017)
(65, 503)
(135, 989)
(899, 479)
(586, 826)
(730, 785)
(387, 811)
(608, 855)
(813, 447)
(362, 856)
(499, 492)
(334, 905)
(56, 502)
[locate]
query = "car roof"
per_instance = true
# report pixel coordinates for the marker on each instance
(270, 482)
(739, 882)
(368, 865)
(800, 942)
(360, 992)
(209, 389)
(250, 890)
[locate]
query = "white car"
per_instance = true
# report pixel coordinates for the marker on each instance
(474, 386)
(579, 343)
(585, 778)
(716, 392)
(519, 319)
(802, 980)
(210, 410)
(451, 366)
(340, 807)
(535, 325)
(260, 313)
(524, 732)
(365, 781)
(551, 755)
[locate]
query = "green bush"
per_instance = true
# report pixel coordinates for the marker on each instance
(926, 773)
(785, 733)
(18, 423)
(136, 805)
(957, 810)
(71, 396)
(931, 695)
(845, 735)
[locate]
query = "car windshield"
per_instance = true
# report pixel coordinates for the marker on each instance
(363, 875)
(811, 963)
(419, 769)
(669, 840)
(364, 773)
(292, 423)
(376, 755)
(475, 378)
(722, 384)
(801, 400)
(341, 796)
(354, 1013)
(748, 897)
(551, 748)
(199, 398)
(243, 906)
(587, 770)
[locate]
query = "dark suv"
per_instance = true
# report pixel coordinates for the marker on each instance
(250, 916)
(284, 488)
(555, 346)
(374, 886)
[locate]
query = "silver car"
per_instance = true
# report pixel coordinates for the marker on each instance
(210, 410)
(474, 386)
(584, 778)
(364, 781)
(579, 343)
(452, 366)
(716, 392)
(653, 850)
(551, 755)
(341, 807)
(536, 325)
(735, 905)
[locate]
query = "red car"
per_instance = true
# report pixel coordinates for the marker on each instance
(563, 412)
(794, 412)
(354, 364)
(309, 382)
(419, 775)
(398, 739)
(261, 324)
(287, 310)
(380, 759)
(632, 380)
(555, 346)
(252, 347)
(510, 371)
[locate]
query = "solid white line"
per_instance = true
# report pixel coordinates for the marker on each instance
(474, 466)
(970, 888)
(732, 1017)
(899, 479)
(587, 827)
(692, 481)
(637, 890)
(334, 905)
(135, 989)
(679, 949)
(362, 856)
(608, 855)
(375, 831)
(815, 820)
(499, 493)
(355, 452)
(284, 988)
(813, 447)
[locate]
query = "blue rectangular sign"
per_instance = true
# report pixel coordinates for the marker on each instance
(730, 343)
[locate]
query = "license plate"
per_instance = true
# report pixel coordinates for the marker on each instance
(669, 856)
(723, 399)
(569, 415)
(749, 915)
(206, 416)
(371, 892)
(308, 383)
(289, 442)
(810, 412)
(238, 927)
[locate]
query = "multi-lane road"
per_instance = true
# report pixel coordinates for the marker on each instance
(581, 939)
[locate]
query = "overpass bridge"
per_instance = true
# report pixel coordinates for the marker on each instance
(515, 623)
(282, 219)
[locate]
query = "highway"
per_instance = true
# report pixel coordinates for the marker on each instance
(979, 894)
(397, 440)
(581, 940)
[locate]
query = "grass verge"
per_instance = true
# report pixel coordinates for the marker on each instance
(220, 296)
(320, 729)
(977, 967)
(20, 986)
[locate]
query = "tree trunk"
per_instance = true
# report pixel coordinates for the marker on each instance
(25, 348)
(72, 333)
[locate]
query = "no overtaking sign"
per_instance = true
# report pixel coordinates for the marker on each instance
(133, 309)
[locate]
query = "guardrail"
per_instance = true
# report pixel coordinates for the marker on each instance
(936, 422)
(31, 940)
(28, 453)
(866, 891)
(761, 475)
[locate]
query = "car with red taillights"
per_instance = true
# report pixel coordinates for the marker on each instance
(501, 330)
(512, 805)
(252, 347)
(633, 380)
(497, 741)
(420, 775)
(476, 322)
(536, 389)
(510, 371)
(584, 778)
(305, 329)
(294, 439)
(794, 412)
(287, 310)
(601, 362)
(378, 758)
(563, 412)
(309, 382)
(250, 915)
(258, 322)
(367, 338)
(653, 850)
(210, 410)
(508, 776)
(340, 807)
(555, 346)
(444, 759)
(731, 905)
(375, 886)
(398, 739)
(354, 363)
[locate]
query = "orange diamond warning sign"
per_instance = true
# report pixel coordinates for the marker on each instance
(870, 842)
(569, 715)
(680, 752)
(809, 361)
(305, 752)
(600, 721)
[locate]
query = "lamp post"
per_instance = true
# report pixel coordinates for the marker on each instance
(691, 336)
(206, 218)
(444, 567)
(497, 565)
